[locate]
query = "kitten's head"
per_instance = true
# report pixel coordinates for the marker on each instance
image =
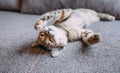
(51, 37)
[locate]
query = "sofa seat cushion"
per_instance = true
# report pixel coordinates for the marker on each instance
(16, 55)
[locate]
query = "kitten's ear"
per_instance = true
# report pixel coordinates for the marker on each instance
(34, 44)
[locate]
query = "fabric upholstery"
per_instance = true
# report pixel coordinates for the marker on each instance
(42, 6)
(10, 5)
(16, 55)
(36, 6)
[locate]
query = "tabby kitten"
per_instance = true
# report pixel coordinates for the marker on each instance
(69, 25)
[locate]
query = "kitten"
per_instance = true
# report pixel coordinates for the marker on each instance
(70, 25)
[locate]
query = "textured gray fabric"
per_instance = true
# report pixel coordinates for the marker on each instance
(10, 5)
(16, 56)
(36, 6)
(106, 6)
(41, 6)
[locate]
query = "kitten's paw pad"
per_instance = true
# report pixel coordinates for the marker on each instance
(55, 53)
(94, 39)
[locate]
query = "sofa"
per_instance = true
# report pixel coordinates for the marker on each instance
(17, 18)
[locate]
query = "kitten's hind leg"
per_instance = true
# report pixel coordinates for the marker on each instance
(89, 37)
(106, 17)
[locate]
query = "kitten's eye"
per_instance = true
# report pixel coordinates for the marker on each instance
(42, 34)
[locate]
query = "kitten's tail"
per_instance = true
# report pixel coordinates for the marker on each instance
(106, 17)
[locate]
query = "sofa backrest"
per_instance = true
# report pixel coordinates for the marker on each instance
(10, 5)
(41, 6)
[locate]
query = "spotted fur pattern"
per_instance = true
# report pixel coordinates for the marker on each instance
(69, 26)
(57, 16)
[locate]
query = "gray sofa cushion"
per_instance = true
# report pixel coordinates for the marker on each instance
(17, 56)
(10, 5)
(41, 6)
(105, 6)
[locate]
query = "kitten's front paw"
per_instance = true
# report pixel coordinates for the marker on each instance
(94, 39)
(56, 52)
(37, 26)
(40, 24)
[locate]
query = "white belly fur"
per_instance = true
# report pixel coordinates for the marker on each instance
(78, 19)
